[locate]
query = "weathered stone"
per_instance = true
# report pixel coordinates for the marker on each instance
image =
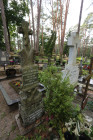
(4, 57)
(72, 72)
(31, 104)
(71, 69)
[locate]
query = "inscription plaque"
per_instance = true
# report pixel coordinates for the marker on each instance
(29, 76)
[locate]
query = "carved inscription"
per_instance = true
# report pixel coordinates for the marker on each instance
(30, 76)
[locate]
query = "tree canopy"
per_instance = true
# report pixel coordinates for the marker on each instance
(15, 12)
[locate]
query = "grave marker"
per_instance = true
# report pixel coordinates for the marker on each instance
(4, 58)
(31, 105)
(71, 69)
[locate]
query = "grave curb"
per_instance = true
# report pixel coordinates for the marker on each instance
(25, 130)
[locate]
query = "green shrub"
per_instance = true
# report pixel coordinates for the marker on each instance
(91, 132)
(85, 72)
(59, 96)
(21, 138)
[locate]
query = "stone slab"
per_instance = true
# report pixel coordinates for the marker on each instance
(72, 72)
(29, 76)
(25, 130)
(7, 98)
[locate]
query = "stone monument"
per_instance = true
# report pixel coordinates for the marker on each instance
(4, 58)
(71, 69)
(31, 105)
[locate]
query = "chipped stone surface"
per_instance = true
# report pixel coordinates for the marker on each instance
(71, 69)
(72, 72)
(31, 104)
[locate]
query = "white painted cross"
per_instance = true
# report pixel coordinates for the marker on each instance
(73, 43)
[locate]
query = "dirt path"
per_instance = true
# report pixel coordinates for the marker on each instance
(8, 126)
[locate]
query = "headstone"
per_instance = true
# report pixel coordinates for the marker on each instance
(10, 73)
(71, 69)
(4, 58)
(31, 105)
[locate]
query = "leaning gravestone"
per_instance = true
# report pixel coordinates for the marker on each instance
(31, 105)
(71, 69)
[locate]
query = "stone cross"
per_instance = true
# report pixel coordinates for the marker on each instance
(73, 43)
(27, 52)
(71, 69)
(26, 32)
(31, 102)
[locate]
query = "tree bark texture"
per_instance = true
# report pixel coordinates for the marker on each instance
(33, 24)
(38, 23)
(64, 28)
(6, 37)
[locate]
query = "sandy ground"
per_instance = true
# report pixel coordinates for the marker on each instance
(8, 126)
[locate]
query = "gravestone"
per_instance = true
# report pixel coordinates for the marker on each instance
(31, 104)
(4, 58)
(10, 73)
(71, 69)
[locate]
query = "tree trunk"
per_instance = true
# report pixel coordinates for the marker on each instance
(61, 47)
(38, 23)
(80, 15)
(64, 28)
(42, 37)
(52, 15)
(4, 26)
(33, 25)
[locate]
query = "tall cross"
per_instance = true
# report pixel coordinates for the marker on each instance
(26, 32)
(73, 43)
(27, 54)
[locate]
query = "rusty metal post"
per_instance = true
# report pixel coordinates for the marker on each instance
(85, 98)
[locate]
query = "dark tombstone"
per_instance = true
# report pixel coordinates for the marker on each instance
(10, 73)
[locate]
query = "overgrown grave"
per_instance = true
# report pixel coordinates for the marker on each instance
(72, 69)
(31, 101)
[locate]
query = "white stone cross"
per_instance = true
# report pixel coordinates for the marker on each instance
(73, 43)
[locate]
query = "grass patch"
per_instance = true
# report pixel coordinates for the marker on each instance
(13, 128)
(3, 115)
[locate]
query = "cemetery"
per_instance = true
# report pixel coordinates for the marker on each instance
(46, 72)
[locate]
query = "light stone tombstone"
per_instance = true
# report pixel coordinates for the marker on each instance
(31, 104)
(71, 69)
(4, 57)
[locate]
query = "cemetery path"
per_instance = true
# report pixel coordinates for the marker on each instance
(8, 126)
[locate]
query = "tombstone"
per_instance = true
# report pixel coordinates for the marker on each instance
(4, 58)
(10, 73)
(31, 104)
(71, 69)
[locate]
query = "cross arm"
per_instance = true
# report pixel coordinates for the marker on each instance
(20, 31)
